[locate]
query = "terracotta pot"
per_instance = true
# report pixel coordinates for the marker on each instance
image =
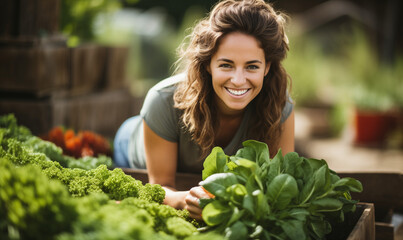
(372, 127)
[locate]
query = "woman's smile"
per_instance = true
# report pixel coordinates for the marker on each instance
(237, 92)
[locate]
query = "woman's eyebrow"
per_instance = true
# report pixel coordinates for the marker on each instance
(230, 61)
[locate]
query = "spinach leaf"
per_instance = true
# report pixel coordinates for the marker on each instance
(281, 191)
(214, 163)
(216, 213)
(217, 184)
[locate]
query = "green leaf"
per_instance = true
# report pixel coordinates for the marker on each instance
(214, 163)
(320, 227)
(249, 204)
(262, 207)
(204, 201)
(236, 215)
(238, 231)
(305, 171)
(218, 183)
(255, 151)
(236, 192)
(281, 191)
(348, 184)
(298, 214)
(245, 168)
(274, 167)
(317, 185)
(326, 205)
(316, 163)
(291, 162)
(294, 229)
(216, 213)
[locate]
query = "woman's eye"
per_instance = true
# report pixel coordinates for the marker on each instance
(252, 67)
(224, 65)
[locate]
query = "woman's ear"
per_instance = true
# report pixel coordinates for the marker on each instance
(266, 70)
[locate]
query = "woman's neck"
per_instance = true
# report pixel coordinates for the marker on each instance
(228, 125)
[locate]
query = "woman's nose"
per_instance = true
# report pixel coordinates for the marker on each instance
(238, 77)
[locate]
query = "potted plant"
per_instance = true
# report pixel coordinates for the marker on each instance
(374, 93)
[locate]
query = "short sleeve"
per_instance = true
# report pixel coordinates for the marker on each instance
(159, 114)
(289, 106)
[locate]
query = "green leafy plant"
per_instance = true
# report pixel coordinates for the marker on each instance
(288, 197)
(77, 17)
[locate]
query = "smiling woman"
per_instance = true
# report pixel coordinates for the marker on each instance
(233, 88)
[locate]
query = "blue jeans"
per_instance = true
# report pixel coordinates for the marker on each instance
(121, 143)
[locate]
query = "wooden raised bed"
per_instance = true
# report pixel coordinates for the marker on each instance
(87, 68)
(359, 225)
(29, 17)
(38, 70)
(383, 189)
(102, 112)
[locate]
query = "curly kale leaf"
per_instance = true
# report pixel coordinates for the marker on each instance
(29, 201)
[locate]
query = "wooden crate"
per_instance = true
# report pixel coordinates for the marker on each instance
(101, 112)
(47, 67)
(359, 225)
(87, 68)
(115, 67)
(55, 40)
(37, 70)
(383, 189)
(29, 17)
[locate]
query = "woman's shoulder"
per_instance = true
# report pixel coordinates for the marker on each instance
(169, 84)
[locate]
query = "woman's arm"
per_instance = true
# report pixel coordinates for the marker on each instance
(161, 157)
(286, 142)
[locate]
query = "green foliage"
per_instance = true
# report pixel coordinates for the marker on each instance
(31, 206)
(41, 199)
(133, 218)
(77, 17)
(10, 129)
(87, 162)
(375, 85)
(80, 182)
(32, 145)
(34, 207)
(288, 197)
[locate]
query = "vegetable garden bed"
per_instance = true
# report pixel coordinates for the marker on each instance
(359, 225)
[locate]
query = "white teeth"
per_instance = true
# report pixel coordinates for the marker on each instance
(237, 92)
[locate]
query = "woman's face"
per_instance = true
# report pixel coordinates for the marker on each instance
(237, 69)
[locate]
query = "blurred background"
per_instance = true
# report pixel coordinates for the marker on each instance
(88, 65)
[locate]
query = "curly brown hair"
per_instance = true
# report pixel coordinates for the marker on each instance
(195, 96)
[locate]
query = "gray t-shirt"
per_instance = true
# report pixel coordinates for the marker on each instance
(160, 115)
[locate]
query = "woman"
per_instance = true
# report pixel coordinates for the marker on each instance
(233, 88)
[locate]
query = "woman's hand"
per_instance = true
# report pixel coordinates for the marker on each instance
(192, 201)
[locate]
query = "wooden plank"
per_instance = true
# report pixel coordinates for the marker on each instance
(29, 17)
(364, 229)
(8, 17)
(380, 188)
(115, 67)
(87, 68)
(101, 112)
(38, 17)
(384, 231)
(56, 40)
(33, 70)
